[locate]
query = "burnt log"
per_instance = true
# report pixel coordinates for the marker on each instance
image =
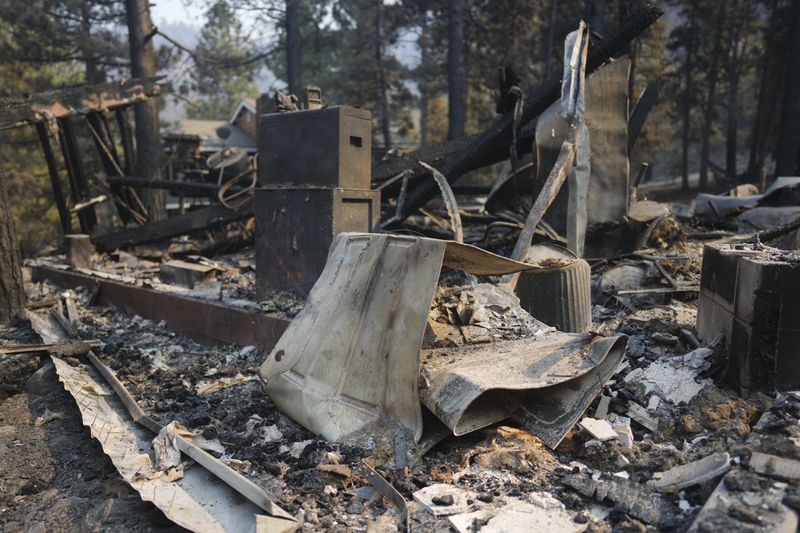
(201, 219)
(201, 188)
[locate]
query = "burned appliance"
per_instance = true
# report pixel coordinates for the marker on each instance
(314, 183)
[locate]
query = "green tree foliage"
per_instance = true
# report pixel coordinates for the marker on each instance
(46, 44)
(66, 32)
(735, 96)
(34, 56)
(354, 73)
(347, 48)
(222, 75)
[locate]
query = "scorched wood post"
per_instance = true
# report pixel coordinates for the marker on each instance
(148, 140)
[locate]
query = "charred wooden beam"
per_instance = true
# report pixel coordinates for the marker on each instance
(200, 219)
(644, 104)
(110, 161)
(55, 180)
(77, 178)
(210, 189)
(127, 141)
(72, 101)
(455, 158)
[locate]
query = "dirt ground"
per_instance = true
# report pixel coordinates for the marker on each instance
(54, 476)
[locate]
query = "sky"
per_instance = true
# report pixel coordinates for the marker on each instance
(176, 12)
(182, 20)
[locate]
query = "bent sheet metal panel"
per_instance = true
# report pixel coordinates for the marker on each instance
(476, 385)
(551, 412)
(480, 262)
(199, 501)
(351, 356)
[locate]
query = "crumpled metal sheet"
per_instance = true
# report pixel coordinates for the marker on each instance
(198, 501)
(479, 262)
(351, 357)
(473, 386)
(347, 367)
(724, 204)
(550, 412)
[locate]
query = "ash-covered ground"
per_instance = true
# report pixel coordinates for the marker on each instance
(54, 476)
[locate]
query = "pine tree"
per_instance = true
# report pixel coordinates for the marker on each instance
(67, 32)
(222, 75)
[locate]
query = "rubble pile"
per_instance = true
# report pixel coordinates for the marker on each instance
(648, 451)
(327, 349)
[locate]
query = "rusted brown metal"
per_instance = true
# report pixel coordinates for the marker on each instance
(202, 320)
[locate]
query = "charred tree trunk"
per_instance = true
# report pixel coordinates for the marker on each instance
(12, 291)
(765, 123)
(737, 51)
(382, 89)
(93, 74)
(752, 158)
(423, 117)
(708, 114)
(148, 139)
(424, 98)
(594, 15)
(753, 168)
(788, 134)
(632, 70)
(687, 101)
(456, 112)
(292, 28)
(732, 133)
(551, 38)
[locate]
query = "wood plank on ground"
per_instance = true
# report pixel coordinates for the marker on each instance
(205, 218)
